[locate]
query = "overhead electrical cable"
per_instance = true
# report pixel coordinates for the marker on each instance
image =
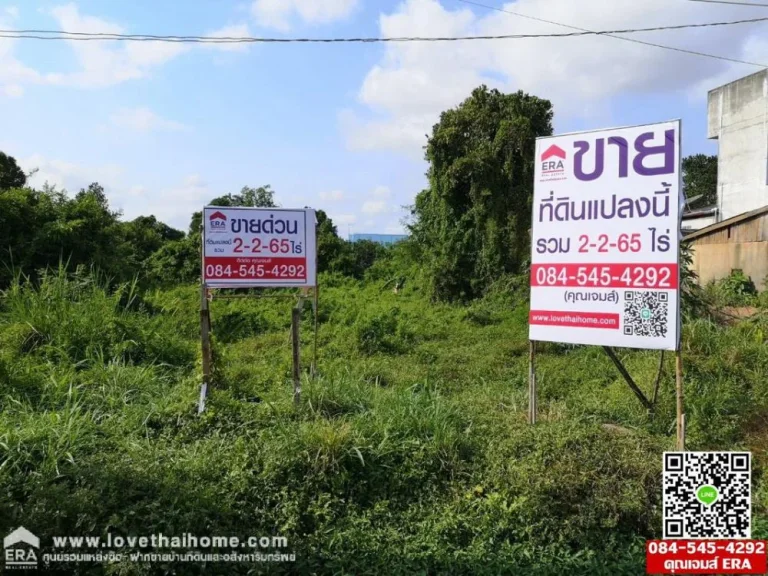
(732, 3)
(101, 36)
(612, 34)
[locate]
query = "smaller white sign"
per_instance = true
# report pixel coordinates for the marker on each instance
(259, 247)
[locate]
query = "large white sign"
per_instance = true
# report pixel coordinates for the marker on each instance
(605, 239)
(250, 247)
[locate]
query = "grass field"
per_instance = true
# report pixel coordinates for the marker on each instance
(410, 453)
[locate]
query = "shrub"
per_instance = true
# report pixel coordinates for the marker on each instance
(382, 332)
(737, 289)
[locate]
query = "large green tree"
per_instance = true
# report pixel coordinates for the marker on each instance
(261, 197)
(700, 178)
(473, 221)
(11, 176)
(329, 245)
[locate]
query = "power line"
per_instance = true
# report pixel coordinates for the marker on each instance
(612, 35)
(102, 36)
(731, 2)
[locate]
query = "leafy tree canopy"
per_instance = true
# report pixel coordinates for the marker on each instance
(473, 221)
(700, 178)
(11, 176)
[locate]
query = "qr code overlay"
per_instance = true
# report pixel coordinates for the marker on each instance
(707, 495)
(645, 313)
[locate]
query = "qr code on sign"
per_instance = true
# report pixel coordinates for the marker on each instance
(707, 495)
(645, 314)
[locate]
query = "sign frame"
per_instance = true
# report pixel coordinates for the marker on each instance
(309, 250)
(624, 264)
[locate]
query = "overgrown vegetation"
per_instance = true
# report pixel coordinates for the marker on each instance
(410, 452)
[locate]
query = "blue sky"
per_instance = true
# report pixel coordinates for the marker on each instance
(340, 127)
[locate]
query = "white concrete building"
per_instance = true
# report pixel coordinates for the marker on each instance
(738, 120)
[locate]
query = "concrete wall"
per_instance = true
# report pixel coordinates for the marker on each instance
(738, 119)
(715, 261)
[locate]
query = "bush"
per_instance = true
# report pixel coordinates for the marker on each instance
(382, 332)
(238, 324)
(737, 289)
(409, 453)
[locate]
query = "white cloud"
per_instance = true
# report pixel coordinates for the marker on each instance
(143, 120)
(394, 228)
(281, 14)
(332, 196)
(108, 63)
(100, 64)
(374, 207)
(13, 90)
(68, 175)
(402, 95)
(382, 192)
(234, 31)
(343, 219)
(13, 73)
(173, 205)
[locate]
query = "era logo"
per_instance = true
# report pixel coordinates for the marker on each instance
(553, 160)
(18, 557)
(217, 222)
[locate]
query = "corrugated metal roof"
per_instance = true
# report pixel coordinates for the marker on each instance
(725, 223)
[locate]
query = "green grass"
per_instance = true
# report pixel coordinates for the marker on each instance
(410, 453)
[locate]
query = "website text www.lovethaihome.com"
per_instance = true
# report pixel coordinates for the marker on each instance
(163, 548)
(23, 549)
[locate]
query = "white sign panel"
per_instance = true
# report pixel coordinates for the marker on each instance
(605, 238)
(264, 247)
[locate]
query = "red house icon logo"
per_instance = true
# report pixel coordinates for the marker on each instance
(217, 222)
(553, 162)
(553, 151)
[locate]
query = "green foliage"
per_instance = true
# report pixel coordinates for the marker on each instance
(693, 301)
(329, 245)
(410, 452)
(700, 178)
(261, 197)
(382, 331)
(355, 258)
(736, 289)
(473, 221)
(174, 262)
(38, 229)
(11, 176)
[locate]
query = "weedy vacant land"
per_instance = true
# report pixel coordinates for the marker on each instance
(410, 453)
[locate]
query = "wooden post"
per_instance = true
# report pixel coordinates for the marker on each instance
(314, 343)
(295, 321)
(679, 394)
(205, 338)
(532, 383)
